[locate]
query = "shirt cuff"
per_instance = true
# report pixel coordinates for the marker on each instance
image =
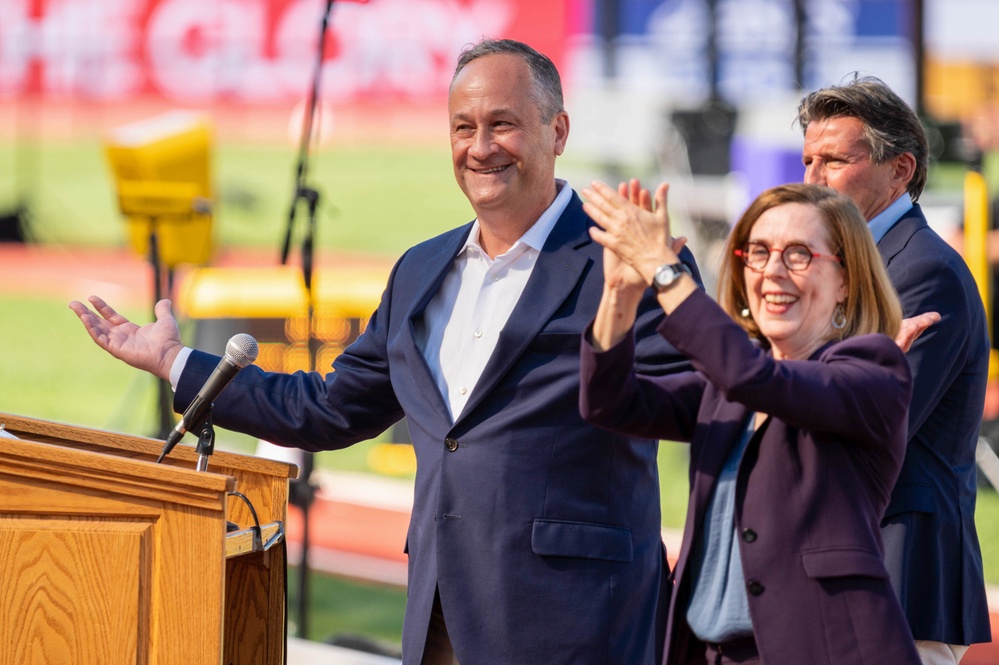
(179, 363)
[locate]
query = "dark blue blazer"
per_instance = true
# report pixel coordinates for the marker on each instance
(931, 546)
(810, 488)
(542, 532)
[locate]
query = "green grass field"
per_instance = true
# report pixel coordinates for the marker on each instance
(375, 199)
(342, 608)
(372, 198)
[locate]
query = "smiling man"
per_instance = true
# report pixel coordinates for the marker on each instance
(535, 537)
(504, 144)
(863, 140)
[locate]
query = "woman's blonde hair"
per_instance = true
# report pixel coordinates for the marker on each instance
(871, 304)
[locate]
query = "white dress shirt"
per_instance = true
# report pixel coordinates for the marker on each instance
(463, 321)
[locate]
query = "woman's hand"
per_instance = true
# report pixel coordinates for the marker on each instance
(635, 232)
(618, 275)
(913, 327)
(636, 242)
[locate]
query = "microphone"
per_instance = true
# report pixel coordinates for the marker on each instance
(240, 351)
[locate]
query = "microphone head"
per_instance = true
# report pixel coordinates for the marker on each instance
(241, 350)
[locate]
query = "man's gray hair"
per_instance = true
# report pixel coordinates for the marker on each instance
(891, 127)
(547, 92)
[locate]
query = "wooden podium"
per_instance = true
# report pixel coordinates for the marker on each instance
(107, 557)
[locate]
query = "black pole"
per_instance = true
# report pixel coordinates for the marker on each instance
(305, 140)
(800, 30)
(919, 54)
(302, 491)
(164, 406)
(711, 48)
(610, 27)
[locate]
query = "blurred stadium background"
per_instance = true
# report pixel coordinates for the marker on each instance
(701, 93)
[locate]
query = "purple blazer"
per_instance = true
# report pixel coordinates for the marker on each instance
(811, 487)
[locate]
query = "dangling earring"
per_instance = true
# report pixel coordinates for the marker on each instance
(839, 317)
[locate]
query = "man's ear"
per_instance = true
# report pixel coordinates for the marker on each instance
(561, 132)
(905, 168)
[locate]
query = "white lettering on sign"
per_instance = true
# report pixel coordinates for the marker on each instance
(242, 50)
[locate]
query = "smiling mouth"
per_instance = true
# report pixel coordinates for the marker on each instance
(495, 169)
(779, 302)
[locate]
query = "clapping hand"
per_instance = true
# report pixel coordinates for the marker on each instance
(635, 233)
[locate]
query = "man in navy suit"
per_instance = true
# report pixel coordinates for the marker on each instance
(535, 537)
(864, 141)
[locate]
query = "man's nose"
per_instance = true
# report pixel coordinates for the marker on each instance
(815, 175)
(482, 144)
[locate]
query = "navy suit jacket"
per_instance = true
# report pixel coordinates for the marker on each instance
(542, 532)
(931, 546)
(810, 489)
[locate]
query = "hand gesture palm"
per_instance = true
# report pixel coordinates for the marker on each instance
(152, 347)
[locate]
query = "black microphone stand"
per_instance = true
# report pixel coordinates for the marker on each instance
(206, 440)
(302, 491)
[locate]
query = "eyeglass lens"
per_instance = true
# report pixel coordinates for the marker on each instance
(795, 257)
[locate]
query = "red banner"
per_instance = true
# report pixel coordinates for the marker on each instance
(249, 51)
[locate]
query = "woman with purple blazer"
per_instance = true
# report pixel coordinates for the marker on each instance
(796, 416)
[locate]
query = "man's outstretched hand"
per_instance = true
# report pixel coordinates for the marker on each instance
(152, 347)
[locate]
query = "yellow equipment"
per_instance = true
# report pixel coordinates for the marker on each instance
(976, 233)
(162, 173)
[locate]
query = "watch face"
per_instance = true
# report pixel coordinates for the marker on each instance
(665, 276)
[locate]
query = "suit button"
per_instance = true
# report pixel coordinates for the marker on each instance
(451, 444)
(754, 587)
(749, 535)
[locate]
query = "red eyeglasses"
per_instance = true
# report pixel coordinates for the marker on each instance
(796, 257)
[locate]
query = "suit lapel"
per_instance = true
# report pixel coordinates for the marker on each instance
(432, 276)
(898, 235)
(558, 270)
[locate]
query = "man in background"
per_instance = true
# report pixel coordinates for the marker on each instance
(864, 141)
(535, 537)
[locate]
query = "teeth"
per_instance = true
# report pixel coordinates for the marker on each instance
(494, 170)
(779, 298)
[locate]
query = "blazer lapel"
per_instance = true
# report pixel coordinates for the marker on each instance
(432, 276)
(898, 235)
(720, 436)
(722, 432)
(558, 269)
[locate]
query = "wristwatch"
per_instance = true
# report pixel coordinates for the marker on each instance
(667, 274)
